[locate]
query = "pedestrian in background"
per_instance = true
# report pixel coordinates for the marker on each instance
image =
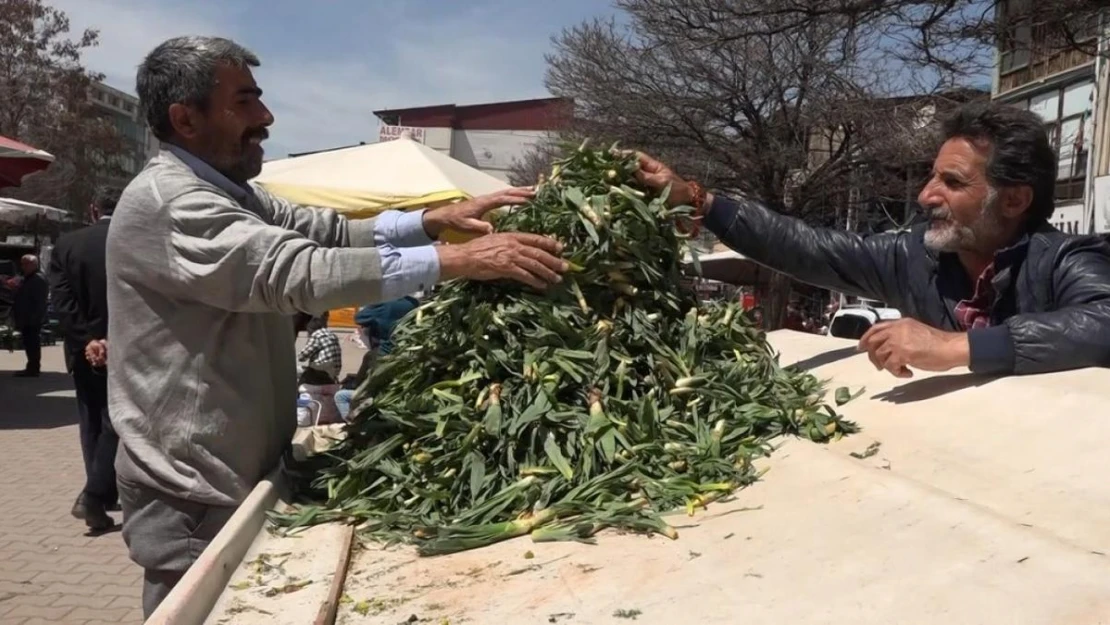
(376, 323)
(29, 313)
(79, 286)
(322, 355)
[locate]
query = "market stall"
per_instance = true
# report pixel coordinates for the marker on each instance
(365, 180)
(17, 211)
(963, 500)
(18, 160)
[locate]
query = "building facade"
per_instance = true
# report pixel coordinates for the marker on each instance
(122, 109)
(490, 137)
(1067, 87)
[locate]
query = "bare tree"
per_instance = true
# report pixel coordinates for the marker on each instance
(44, 101)
(954, 35)
(811, 116)
(535, 162)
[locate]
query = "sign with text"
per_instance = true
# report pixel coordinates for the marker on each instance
(1102, 204)
(389, 133)
(1070, 219)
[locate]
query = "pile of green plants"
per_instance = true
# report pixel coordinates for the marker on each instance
(604, 402)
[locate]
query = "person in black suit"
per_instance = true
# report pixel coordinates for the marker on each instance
(29, 313)
(79, 283)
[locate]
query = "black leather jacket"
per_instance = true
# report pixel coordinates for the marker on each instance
(1052, 311)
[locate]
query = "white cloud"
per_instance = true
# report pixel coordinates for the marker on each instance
(323, 102)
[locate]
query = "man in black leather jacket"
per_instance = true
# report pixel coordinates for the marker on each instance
(986, 283)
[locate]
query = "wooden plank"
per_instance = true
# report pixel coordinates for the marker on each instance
(284, 580)
(196, 594)
(329, 608)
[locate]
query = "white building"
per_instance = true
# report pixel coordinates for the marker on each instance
(1067, 87)
(489, 137)
(122, 109)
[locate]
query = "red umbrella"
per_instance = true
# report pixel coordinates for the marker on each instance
(17, 160)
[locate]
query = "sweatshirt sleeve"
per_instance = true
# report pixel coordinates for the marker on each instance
(325, 226)
(228, 257)
(408, 260)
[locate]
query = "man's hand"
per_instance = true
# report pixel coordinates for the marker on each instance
(656, 176)
(898, 345)
(527, 258)
(96, 352)
(467, 216)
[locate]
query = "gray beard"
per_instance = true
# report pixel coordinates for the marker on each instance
(984, 232)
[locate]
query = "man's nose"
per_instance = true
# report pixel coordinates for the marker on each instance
(930, 197)
(267, 116)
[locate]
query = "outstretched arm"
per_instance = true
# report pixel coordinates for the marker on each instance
(865, 266)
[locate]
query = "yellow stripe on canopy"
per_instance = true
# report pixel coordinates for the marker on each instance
(359, 204)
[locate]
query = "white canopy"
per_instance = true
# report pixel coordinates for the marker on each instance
(367, 179)
(14, 211)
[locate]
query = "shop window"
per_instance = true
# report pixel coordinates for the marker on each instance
(1067, 115)
(1016, 38)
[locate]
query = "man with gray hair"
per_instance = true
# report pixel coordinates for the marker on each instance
(205, 271)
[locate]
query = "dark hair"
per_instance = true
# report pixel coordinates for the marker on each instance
(1020, 152)
(182, 70)
(106, 198)
(318, 322)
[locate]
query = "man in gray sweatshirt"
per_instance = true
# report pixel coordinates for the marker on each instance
(204, 273)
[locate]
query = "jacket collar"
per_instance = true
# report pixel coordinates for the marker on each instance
(207, 173)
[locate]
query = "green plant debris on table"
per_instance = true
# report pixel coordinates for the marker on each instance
(377, 606)
(871, 450)
(610, 399)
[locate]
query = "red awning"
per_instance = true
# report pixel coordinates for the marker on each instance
(18, 160)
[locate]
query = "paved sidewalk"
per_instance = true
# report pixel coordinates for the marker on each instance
(50, 571)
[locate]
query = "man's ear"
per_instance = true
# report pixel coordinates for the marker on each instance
(183, 120)
(1015, 201)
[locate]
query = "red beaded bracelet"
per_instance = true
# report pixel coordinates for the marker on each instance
(698, 195)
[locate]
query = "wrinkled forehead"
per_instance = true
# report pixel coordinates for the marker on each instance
(962, 156)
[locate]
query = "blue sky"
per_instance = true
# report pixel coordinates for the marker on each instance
(326, 65)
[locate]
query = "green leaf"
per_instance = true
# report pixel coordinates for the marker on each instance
(590, 229)
(845, 395)
(576, 197)
(477, 474)
(608, 444)
(694, 260)
(539, 407)
(555, 455)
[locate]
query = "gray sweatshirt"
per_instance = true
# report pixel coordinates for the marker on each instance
(203, 275)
